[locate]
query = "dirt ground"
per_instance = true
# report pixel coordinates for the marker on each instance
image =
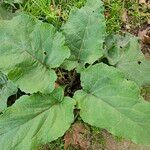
(112, 144)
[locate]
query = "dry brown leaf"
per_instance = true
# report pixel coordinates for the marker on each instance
(59, 11)
(142, 1)
(148, 21)
(56, 85)
(146, 39)
(107, 15)
(75, 137)
(52, 8)
(127, 27)
(145, 36)
(124, 16)
(147, 56)
(68, 139)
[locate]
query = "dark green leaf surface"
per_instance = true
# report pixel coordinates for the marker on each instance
(29, 50)
(85, 33)
(35, 120)
(125, 54)
(4, 14)
(109, 101)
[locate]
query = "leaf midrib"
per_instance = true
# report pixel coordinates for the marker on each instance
(31, 55)
(82, 41)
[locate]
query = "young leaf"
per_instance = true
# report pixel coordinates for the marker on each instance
(109, 101)
(125, 54)
(35, 120)
(29, 50)
(85, 33)
(7, 88)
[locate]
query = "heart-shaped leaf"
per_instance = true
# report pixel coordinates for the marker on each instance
(35, 120)
(109, 101)
(85, 33)
(29, 50)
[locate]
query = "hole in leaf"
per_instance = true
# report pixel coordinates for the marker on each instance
(45, 53)
(11, 100)
(87, 65)
(105, 60)
(139, 62)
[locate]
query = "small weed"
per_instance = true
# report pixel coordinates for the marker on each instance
(55, 145)
(97, 137)
(118, 139)
(55, 12)
(39, 8)
(137, 14)
(113, 18)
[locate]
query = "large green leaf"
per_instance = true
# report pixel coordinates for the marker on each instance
(125, 54)
(85, 33)
(7, 88)
(109, 101)
(29, 50)
(35, 120)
